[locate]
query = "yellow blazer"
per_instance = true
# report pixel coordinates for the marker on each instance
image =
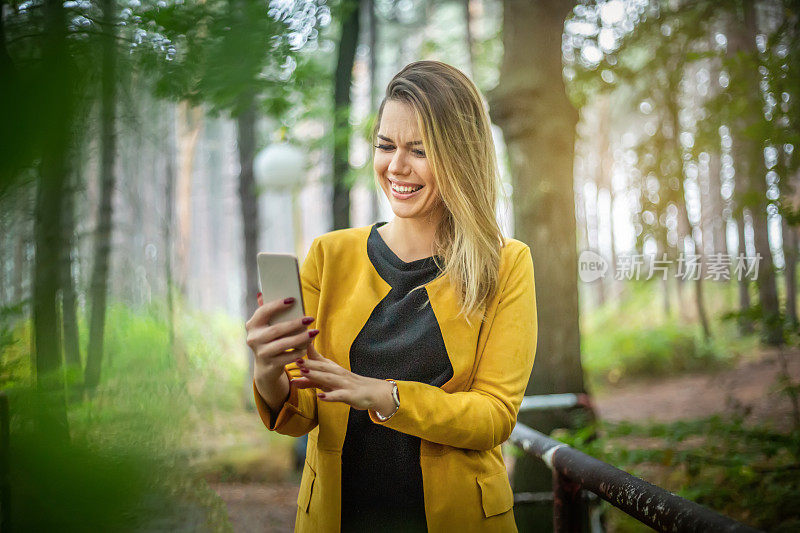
(461, 425)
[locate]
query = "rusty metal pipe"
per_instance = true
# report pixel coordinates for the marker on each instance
(648, 503)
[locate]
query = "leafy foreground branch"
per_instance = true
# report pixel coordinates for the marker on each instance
(126, 466)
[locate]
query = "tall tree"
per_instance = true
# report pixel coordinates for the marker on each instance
(57, 102)
(348, 40)
(749, 162)
(104, 229)
(190, 124)
(373, 89)
(246, 127)
(530, 104)
(469, 37)
(72, 351)
(783, 78)
(169, 216)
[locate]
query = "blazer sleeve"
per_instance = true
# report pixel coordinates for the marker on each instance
(298, 415)
(484, 416)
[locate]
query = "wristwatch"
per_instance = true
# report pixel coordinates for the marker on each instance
(396, 396)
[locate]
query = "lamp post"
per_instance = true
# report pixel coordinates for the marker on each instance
(282, 167)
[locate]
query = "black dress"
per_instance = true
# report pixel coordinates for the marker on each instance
(381, 473)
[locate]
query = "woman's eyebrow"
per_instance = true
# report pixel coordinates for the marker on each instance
(410, 143)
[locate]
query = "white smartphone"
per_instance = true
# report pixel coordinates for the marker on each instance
(279, 278)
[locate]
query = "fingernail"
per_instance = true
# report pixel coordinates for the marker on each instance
(289, 300)
(313, 333)
(299, 361)
(304, 370)
(321, 395)
(308, 320)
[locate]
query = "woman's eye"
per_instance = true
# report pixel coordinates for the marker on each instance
(389, 148)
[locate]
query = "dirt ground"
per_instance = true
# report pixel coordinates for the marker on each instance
(255, 507)
(749, 388)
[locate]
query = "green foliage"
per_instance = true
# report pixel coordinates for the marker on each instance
(639, 352)
(642, 345)
(127, 466)
(748, 472)
(226, 52)
(15, 363)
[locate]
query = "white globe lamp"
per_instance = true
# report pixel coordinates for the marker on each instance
(281, 167)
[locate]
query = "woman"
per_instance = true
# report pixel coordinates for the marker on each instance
(427, 333)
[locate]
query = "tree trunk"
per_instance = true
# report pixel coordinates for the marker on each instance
(10, 138)
(469, 39)
(59, 106)
(683, 213)
(661, 247)
(189, 124)
(604, 181)
(538, 121)
(790, 271)
(716, 219)
(341, 106)
(169, 217)
(373, 94)
(246, 123)
(745, 324)
(683, 229)
(748, 159)
(601, 286)
(72, 350)
(103, 233)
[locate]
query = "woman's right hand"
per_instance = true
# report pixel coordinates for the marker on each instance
(270, 343)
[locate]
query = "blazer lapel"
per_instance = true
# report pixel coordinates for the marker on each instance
(460, 338)
(356, 296)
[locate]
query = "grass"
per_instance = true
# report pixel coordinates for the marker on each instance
(649, 343)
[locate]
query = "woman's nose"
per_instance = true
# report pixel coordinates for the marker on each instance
(399, 164)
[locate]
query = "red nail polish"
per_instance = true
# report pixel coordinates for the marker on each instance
(304, 370)
(321, 394)
(313, 333)
(289, 300)
(308, 320)
(258, 295)
(299, 361)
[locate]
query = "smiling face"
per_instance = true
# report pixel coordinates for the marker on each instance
(401, 164)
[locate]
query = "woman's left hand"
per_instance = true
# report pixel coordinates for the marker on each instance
(341, 385)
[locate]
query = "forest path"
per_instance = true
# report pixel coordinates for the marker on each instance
(749, 387)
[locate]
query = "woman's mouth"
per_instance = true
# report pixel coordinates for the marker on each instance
(403, 192)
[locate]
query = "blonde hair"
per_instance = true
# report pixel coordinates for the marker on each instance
(457, 138)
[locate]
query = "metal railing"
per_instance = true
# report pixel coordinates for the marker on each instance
(574, 471)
